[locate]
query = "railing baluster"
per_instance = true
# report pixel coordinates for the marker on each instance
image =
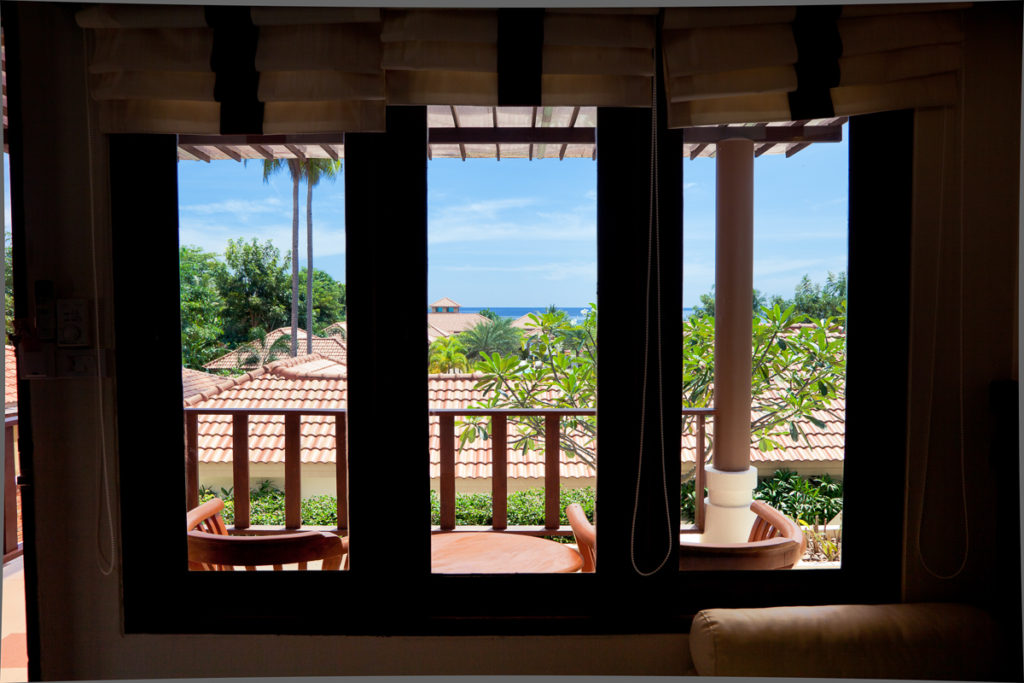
(191, 460)
(552, 451)
(240, 467)
(341, 463)
(10, 493)
(499, 471)
(292, 472)
(699, 484)
(447, 435)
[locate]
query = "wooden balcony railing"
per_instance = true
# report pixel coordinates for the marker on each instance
(12, 523)
(448, 446)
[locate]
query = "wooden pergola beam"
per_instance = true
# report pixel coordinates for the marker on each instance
(229, 152)
(299, 154)
(766, 134)
(195, 153)
(330, 151)
(511, 135)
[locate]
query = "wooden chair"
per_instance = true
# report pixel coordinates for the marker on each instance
(775, 542)
(586, 535)
(210, 548)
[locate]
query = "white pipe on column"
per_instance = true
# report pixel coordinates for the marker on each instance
(731, 479)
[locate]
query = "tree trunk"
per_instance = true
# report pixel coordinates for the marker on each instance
(295, 261)
(309, 267)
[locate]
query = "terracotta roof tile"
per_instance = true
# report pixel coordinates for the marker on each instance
(315, 382)
(10, 377)
(445, 301)
(333, 348)
(453, 323)
(194, 382)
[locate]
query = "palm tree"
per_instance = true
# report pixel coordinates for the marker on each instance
(312, 170)
(446, 355)
(261, 349)
(295, 170)
(493, 336)
(315, 170)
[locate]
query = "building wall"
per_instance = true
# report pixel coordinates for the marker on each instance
(75, 431)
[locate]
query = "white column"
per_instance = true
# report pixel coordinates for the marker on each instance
(731, 480)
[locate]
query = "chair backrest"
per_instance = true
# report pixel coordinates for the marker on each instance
(775, 542)
(207, 518)
(210, 548)
(586, 535)
(213, 552)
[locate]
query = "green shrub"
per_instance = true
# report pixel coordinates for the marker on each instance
(814, 501)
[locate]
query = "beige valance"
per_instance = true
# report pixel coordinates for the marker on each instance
(198, 70)
(733, 65)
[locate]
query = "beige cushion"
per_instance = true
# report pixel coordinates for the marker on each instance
(927, 640)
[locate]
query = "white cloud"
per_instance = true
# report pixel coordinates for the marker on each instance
(547, 271)
(328, 238)
(503, 219)
(238, 207)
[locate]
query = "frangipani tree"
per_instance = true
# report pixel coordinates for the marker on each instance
(799, 368)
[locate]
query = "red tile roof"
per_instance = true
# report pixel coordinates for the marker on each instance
(328, 347)
(316, 382)
(445, 302)
(453, 323)
(194, 382)
(10, 377)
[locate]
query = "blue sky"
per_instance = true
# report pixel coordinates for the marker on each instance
(522, 233)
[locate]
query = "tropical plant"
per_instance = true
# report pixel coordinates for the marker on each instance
(706, 307)
(818, 301)
(446, 355)
(202, 324)
(798, 371)
(328, 302)
(261, 349)
(314, 171)
(254, 287)
(8, 286)
(489, 314)
(551, 373)
(493, 336)
(270, 168)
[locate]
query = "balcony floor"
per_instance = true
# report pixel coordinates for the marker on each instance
(13, 656)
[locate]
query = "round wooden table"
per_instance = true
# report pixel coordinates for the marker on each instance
(489, 552)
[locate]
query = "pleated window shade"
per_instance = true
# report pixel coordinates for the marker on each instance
(738, 65)
(273, 70)
(598, 57)
(311, 70)
(434, 56)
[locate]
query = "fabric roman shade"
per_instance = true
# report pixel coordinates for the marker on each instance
(736, 65)
(434, 56)
(269, 70)
(235, 70)
(598, 57)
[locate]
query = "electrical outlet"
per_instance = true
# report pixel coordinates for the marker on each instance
(72, 322)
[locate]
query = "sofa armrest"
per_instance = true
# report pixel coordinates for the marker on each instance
(927, 640)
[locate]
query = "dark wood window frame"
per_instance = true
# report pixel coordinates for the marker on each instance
(386, 190)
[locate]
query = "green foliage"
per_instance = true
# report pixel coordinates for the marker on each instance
(798, 368)
(525, 508)
(328, 301)
(262, 349)
(202, 324)
(556, 368)
(254, 287)
(8, 285)
(266, 507)
(489, 314)
(493, 336)
(811, 501)
(706, 307)
(818, 301)
(446, 354)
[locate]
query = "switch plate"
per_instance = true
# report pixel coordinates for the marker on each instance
(72, 322)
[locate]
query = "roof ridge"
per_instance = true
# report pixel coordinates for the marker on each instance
(228, 383)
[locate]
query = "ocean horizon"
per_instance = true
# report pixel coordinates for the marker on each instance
(576, 313)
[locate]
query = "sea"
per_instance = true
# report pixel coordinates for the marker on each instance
(575, 313)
